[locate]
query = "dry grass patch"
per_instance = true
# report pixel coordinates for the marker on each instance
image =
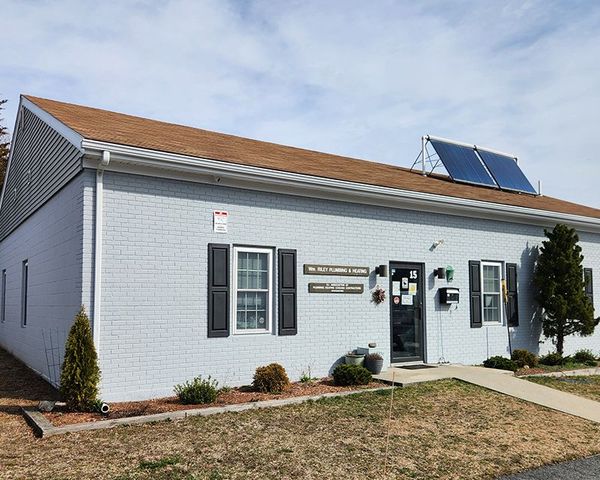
(583, 385)
(445, 429)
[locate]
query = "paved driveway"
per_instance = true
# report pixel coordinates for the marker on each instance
(585, 469)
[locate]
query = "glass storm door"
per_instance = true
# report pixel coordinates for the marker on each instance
(406, 311)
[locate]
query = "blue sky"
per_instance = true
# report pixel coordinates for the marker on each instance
(364, 79)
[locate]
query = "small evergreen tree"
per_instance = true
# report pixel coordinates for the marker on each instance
(559, 283)
(80, 374)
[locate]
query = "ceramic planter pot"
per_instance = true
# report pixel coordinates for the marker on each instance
(355, 359)
(374, 365)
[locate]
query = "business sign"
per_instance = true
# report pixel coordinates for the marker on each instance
(220, 221)
(335, 287)
(340, 270)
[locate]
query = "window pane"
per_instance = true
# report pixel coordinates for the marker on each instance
(261, 319)
(491, 278)
(264, 261)
(263, 280)
(254, 261)
(251, 319)
(252, 279)
(261, 300)
(242, 260)
(242, 279)
(241, 320)
(491, 308)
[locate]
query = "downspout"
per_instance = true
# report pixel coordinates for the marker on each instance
(98, 247)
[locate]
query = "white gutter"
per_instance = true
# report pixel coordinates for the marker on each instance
(98, 232)
(360, 193)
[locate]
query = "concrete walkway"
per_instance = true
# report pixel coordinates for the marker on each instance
(503, 382)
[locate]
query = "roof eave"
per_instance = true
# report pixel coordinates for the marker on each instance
(245, 176)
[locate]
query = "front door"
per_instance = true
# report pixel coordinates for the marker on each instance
(407, 311)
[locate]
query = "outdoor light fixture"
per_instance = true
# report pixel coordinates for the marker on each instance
(381, 271)
(440, 273)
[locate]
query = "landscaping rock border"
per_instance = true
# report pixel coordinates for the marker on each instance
(43, 428)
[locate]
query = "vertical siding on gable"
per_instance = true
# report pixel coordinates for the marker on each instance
(42, 163)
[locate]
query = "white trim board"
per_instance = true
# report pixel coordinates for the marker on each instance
(140, 161)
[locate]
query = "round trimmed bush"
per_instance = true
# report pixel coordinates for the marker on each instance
(345, 375)
(585, 356)
(501, 363)
(271, 378)
(552, 359)
(524, 358)
(197, 391)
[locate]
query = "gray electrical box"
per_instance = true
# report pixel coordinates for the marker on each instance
(449, 296)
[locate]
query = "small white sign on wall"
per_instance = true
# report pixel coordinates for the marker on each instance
(220, 221)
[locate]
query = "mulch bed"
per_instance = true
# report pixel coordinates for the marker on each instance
(61, 416)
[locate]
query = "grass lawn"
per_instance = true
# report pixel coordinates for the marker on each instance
(444, 429)
(585, 386)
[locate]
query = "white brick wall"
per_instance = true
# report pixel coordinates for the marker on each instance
(51, 239)
(154, 330)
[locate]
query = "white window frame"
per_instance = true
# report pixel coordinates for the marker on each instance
(269, 322)
(500, 266)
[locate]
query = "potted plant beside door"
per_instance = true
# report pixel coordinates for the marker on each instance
(353, 358)
(374, 363)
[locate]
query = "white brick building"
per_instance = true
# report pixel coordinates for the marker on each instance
(116, 213)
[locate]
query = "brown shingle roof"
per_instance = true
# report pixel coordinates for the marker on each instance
(106, 126)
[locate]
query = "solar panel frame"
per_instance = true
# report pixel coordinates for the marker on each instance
(462, 163)
(506, 172)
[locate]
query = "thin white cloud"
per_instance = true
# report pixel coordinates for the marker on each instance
(357, 78)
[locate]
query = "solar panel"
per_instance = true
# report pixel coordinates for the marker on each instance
(462, 163)
(506, 172)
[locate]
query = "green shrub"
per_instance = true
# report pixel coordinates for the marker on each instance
(585, 356)
(197, 391)
(552, 359)
(271, 378)
(344, 375)
(524, 358)
(501, 363)
(80, 374)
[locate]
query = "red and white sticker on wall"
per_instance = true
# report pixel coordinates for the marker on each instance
(396, 300)
(220, 221)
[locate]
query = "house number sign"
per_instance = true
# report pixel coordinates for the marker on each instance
(340, 270)
(335, 288)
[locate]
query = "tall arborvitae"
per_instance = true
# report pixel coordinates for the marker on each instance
(560, 286)
(80, 374)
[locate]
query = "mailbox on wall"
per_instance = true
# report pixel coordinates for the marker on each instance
(449, 296)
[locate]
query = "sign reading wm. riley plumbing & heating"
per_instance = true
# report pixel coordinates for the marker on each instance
(341, 270)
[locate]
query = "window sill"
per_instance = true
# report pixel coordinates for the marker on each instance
(252, 332)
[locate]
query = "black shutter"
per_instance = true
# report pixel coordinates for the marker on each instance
(512, 307)
(475, 293)
(288, 311)
(589, 284)
(218, 290)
